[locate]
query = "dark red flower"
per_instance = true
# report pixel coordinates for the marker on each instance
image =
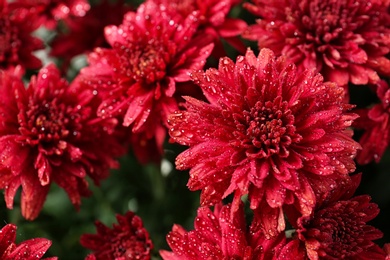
(346, 41)
(127, 240)
(49, 132)
(85, 33)
(337, 229)
(152, 50)
(16, 42)
(376, 123)
(269, 131)
(50, 11)
(31, 249)
(214, 20)
(220, 235)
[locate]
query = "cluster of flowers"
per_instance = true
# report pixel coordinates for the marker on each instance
(271, 130)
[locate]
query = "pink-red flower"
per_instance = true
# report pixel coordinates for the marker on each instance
(153, 50)
(49, 132)
(17, 43)
(269, 131)
(214, 20)
(31, 249)
(83, 34)
(127, 240)
(347, 41)
(51, 11)
(376, 123)
(337, 229)
(220, 235)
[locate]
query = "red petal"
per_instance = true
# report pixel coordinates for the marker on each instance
(232, 27)
(358, 74)
(231, 232)
(10, 191)
(306, 198)
(166, 255)
(139, 108)
(270, 220)
(204, 220)
(294, 250)
(7, 238)
(35, 248)
(13, 154)
(340, 76)
(33, 196)
(275, 193)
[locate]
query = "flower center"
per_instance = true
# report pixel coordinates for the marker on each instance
(329, 20)
(130, 248)
(340, 230)
(145, 61)
(50, 125)
(267, 129)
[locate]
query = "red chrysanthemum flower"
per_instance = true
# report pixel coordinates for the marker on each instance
(268, 131)
(83, 34)
(220, 235)
(376, 123)
(346, 41)
(51, 11)
(214, 20)
(126, 240)
(31, 249)
(337, 229)
(16, 42)
(49, 132)
(152, 50)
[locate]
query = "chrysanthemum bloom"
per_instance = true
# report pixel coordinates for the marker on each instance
(214, 20)
(346, 41)
(17, 44)
(31, 249)
(83, 34)
(49, 132)
(127, 240)
(152, 50)
(268, 131)
(376, 123)
(51, 11)
(220, 235)
(337, 229)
